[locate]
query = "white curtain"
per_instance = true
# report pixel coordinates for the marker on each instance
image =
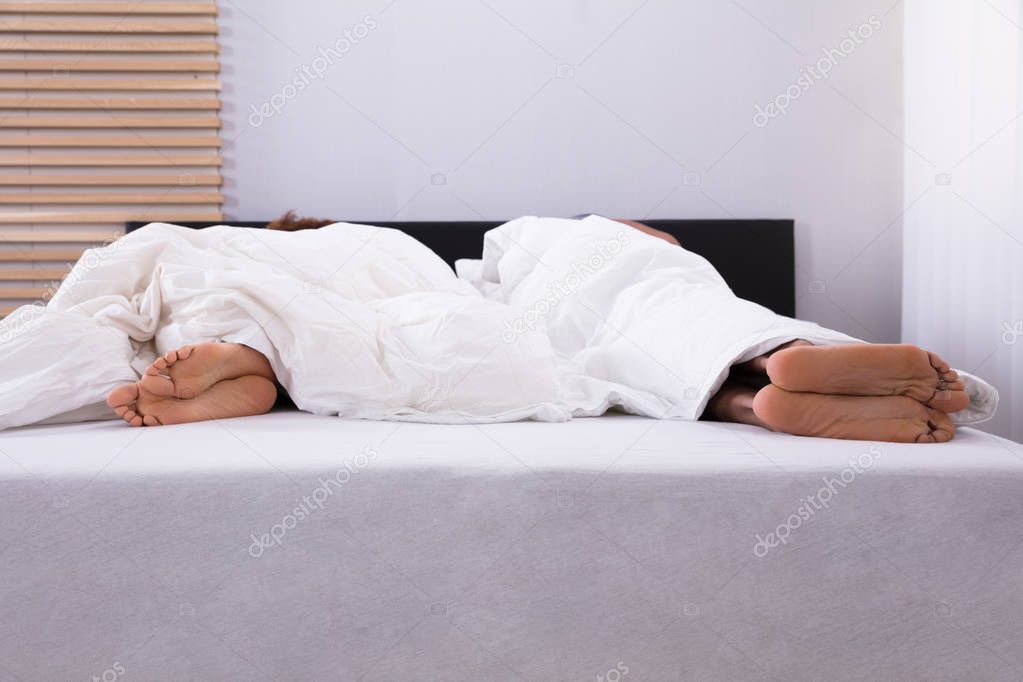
(963, 169)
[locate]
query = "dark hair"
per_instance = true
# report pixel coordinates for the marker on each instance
(289, 222)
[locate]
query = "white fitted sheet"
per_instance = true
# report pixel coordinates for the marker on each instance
(533, 551)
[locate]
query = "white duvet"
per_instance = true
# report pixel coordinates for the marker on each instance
(560, 318)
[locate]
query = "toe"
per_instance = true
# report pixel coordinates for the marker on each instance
(184, 352)
(946, 400)
(937, 363)
(150, 420)
(160, 364)
(136, 421)
(123, 395)
(171, 357)
(155, 378)
(941, 427)
(157, 384)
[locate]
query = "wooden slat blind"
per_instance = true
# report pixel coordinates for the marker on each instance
(88, 103)
(86, 64)
(145, 139)
(112, 25)
(73, 83)
(75, 44)
(92, 179)
(49, 158)
(109, 112)
(123, 8)
(175, 121)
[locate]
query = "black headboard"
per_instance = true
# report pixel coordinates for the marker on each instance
(756, 257)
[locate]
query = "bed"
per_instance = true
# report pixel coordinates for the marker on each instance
(290, 546)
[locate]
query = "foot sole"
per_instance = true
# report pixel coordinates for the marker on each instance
(242, 397)
(893, 419)
(869, 370)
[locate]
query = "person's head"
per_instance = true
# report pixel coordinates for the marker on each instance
(289, 222)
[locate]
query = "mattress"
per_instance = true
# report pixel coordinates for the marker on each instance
(290, 546)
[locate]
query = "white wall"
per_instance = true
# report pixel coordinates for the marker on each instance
(469, 94)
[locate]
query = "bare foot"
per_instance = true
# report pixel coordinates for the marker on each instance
(190, 370)
(241, 397)
(869, 369)
(734, 403)
(896, 419)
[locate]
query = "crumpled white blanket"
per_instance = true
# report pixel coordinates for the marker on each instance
(637, 322)
(575, 317)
